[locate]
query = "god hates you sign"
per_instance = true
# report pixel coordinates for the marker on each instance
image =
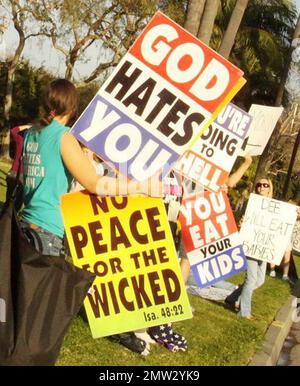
(160, 98)
(212, 156)
(211, 238)
(127, 243)
(267, 228)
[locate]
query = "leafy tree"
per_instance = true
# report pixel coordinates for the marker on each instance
(28, 88)
(20, 13)
(109, 26)
(260, 45)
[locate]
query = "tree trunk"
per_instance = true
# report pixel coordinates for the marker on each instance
(7, 107)
(232, 28)
(291, 165)
(69, 70)
(208, 20)
(265, 159)
(281, 88)
(8, 94)
(193, 15)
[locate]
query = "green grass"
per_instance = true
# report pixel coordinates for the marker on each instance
(215, 335)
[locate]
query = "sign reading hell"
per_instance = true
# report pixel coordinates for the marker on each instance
(127, 243)
(211, 158)
(162, 95)
(211, 238)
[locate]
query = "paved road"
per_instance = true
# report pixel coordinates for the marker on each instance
(290, 354)
(295, 350)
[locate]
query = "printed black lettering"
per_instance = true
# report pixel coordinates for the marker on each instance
(126, 81)
(140, 97)
(97, 237)
(165, 98)
(79, 238)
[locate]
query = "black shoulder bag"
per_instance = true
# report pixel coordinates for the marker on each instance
(39, 297)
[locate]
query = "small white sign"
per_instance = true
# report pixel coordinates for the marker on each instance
(267, 228)
(264, 119)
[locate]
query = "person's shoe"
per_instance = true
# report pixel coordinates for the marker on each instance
(165, 335)
(130, 341)
(144, 336)
(250, 317)
(231, 306)
(272, 273)
(288, 280)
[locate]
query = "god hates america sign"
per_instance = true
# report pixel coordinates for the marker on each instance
(211, 238)
(162, 95)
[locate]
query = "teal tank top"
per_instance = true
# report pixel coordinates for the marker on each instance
(45, 177)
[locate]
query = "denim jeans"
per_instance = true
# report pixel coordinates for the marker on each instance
(43, 241)
(255, 277)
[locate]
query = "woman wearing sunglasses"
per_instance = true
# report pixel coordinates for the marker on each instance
(256, 270)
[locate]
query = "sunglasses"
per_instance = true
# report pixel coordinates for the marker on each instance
(264, 185)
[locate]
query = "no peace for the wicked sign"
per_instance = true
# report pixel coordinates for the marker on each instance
(128, 244)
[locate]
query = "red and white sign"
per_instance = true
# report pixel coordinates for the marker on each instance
(211, 238)
(157, 102)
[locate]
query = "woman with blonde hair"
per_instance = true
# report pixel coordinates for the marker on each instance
(256, 270)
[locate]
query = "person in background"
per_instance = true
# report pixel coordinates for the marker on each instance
(287, 257)
(136, 341)
(17, 139)
(173, 193)
(256, 270)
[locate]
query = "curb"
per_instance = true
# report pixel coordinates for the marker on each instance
(277, 333)
(275, 336)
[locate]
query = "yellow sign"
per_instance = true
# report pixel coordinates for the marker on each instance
(127, 243)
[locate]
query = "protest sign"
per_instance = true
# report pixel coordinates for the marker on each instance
(211, 238)
(211, 158)
(264, 119)
(267, 228)
(165, 91)
(127, 243)
(296, 237)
